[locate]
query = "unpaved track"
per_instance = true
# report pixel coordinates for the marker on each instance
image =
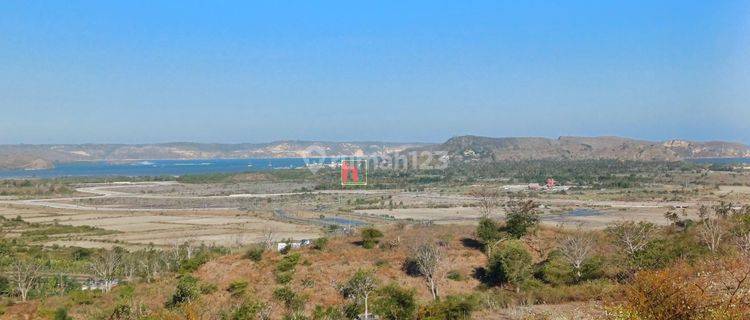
(106, 191)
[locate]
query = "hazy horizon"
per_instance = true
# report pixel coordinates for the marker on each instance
(232, 72)
(363, 141)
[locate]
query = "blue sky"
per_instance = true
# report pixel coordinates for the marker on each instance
(251, 71)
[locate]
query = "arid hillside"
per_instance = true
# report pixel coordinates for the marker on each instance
(474, 148)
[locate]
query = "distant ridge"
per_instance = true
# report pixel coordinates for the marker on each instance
(475, 148)
(461, 148)
(44, 156)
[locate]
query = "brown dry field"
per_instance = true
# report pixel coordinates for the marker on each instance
(162, 213)
(137, 228)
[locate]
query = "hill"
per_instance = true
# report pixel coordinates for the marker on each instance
(474, 148)
(43, 156)
(462, 148)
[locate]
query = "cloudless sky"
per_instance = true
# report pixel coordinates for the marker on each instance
(252, 71)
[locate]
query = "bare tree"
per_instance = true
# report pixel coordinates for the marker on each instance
(576, 248)
(487, 200)
(268, 236)
(189, 247)
(151, 264)
(360, 286)
(130, 266)
(24, 274)
(743, 243)
(173, 256)
(428, 258)
(712, 229)
(105, 268)
(632, 237)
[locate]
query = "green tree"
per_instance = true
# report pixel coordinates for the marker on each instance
(488, 231)
(510, 264)
(521, 217)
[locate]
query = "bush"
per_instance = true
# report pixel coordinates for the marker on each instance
(122, 312)
(285, 268)
(665, 294)
(5, 286)
(370, 237)
(208, 288)
(662, 253)
(62, 314)
(80, 297)
(288, 263)
(248, 310)
(291, 300)
(450, 308)
(237, 288)
(320, 243)
(510, 264)
(556, 271)
(592, 269)
(327, 313)
(455, 275)
(255, 253)
(192, 264)
(284, 277)
(393, 302)
(187, 290)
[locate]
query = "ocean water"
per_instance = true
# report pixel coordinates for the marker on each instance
(158, 168)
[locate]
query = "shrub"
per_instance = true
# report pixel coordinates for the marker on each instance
(208, 288)
(320, 243)
(511, 264)
(556, 271)
(662, 253)
(187, 290)
(5, 286)
(592, 269)
(664, 294)
(327, 313)
(80, 297)
(248, 310)
(288, 263)
(237, 288)
(122, 312)
(393, 302)
(450, 308)
(455, 275)
(291, 300)
(192, 264)
(255, 253)
(370, 237)
(62, 314)
(284, 277)
(285, 268)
